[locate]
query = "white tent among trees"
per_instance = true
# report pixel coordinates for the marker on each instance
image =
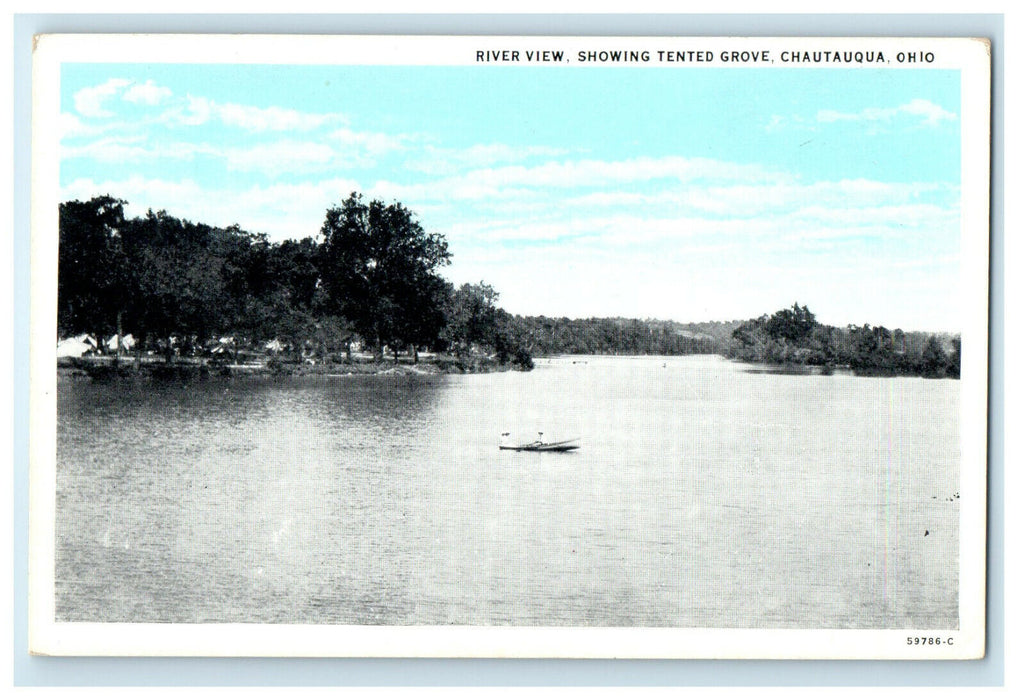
(127, 342)
(76, 346)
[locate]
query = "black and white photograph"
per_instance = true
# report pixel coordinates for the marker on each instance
(656, 347)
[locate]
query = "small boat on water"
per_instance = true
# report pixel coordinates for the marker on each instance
(540, 445)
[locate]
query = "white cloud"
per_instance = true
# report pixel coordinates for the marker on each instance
(775, 214)
(71, 127)
(132, 150)
(907, 217)
(928, 113)
(148, 93)
(914, 225)
(89, 101)
(594, 173)
(293, 156)
(194, 111)
(368, 143)
(456, 190)
(271, 158)
(640, 234)
(198, 110)
(446, 161)
(107, 151)
(280, 157)
(92, 101)
(748, 200)
(259, 119)
(932, 114)
(530, 183)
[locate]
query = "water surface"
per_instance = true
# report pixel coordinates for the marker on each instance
(703, 495)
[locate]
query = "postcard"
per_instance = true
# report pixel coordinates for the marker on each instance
(509, 346)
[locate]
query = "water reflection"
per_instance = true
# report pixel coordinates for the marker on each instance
(796, 370)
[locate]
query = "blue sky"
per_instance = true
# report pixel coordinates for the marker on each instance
(685, 193)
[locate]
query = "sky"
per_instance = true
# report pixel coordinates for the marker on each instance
(687, 194)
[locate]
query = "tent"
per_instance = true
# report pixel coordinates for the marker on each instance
(76, 346)
(127, 342)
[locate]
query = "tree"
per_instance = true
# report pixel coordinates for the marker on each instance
(91, 273)
(511, 341)
(472, 317)
(178, 277)
(954, 369)
(421, 322)
(379, 270)
(934, 359)
(248, 280)
(794, 324)
(823, 345)
(291, 294)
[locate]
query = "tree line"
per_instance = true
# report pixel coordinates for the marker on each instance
(793, 336)
(372, 276)
(619, 336)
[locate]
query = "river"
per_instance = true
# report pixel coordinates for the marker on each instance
(704, 494)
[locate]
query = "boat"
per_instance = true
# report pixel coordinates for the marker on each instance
(540, 445)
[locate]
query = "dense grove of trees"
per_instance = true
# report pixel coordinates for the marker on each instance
(180, 286)
(619, 336)
(793, 336)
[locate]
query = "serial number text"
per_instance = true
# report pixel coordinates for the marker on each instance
(930, 641)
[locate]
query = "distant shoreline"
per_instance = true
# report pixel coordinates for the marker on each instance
(107, 367)
(190, 368)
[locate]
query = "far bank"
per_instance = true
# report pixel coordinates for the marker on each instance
(107, 367)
